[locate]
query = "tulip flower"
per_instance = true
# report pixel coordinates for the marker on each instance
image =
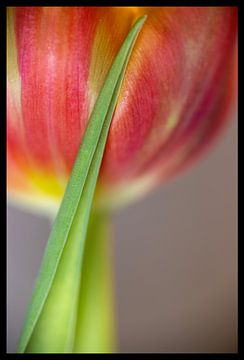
(177, 93)
(95, 90)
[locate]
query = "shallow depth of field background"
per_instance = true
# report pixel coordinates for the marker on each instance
(175, 261)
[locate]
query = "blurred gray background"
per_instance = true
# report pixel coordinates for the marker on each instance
(175, 259)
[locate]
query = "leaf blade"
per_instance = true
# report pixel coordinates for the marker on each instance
(75, 207)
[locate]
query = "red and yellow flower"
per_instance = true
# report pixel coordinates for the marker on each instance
(177, 93)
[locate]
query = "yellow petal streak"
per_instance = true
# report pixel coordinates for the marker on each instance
(107, 42)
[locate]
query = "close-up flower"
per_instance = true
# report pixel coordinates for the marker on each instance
(177, 91)
(173, 94)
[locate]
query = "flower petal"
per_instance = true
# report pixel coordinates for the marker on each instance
(175, 80)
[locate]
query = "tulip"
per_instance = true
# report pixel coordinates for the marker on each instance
(178, 90)
(177, 93)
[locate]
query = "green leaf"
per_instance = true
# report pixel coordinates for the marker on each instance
(52, 314)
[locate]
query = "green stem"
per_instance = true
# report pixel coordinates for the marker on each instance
(91, 288)
(95, 327)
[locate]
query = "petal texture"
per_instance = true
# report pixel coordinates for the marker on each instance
(177, 93)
